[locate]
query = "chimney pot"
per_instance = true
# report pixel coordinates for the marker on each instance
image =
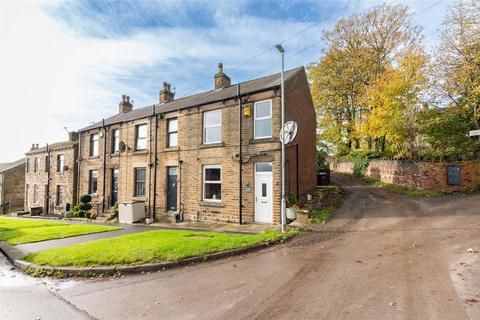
(221, 79)
(125, 105)
(166, 95)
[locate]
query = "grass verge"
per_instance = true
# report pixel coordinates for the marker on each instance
(149, 247)
(323, 204)
(17, 231)
(411, 192)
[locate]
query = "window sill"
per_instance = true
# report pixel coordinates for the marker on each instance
(116, 154)
(167, 149)
(92, 157)
(145, 151)
(206, 203)
(263, 140)
(211, 145)
(139, 198)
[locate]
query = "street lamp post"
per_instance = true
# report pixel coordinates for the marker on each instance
(282, 89)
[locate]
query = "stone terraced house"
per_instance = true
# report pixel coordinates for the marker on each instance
(51, 177)
(185, 156)
(12, 185)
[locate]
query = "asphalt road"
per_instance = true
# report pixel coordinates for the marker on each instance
(383, 256)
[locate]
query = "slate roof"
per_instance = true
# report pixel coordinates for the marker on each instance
(247, 87)
(53, 146)
(9, 165)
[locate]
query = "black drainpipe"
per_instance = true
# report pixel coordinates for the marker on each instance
(149, 207)
(298, 177)
(104, 163)
(47, 191)
(240, 184)
(155, 158)
(79, 159)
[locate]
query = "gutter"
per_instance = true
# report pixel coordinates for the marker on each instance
(155, 160)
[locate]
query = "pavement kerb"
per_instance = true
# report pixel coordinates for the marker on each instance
(31, 268)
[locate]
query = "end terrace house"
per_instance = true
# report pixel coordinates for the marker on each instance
(187, 157)
(51, 177)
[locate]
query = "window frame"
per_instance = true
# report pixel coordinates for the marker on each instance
(90, 181)
(171, 132)
(204, 129)
(115, 140)
(59, 195)
(60, 163)
(137, 137)
(255, 119)
(211, 166)
(36, 165)
(93, 151)
(27, 165)
(36, 191)
(136, 181)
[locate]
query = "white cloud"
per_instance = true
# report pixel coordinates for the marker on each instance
(52, 76)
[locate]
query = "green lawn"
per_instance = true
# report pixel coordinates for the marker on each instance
(18, 231)
(148, 247)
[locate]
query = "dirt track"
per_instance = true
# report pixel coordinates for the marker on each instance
(384, 256)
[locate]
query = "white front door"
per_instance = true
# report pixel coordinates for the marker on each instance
(263, 192)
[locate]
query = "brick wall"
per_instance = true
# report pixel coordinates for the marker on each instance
(420, 175)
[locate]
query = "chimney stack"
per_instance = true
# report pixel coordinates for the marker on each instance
(221, 79)
(125, 105)
(166, 95)
(73, 136)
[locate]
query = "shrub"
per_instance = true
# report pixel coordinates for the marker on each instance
(88, 215)
(85, 206)
(79, 214)
(76, 208)
(115, 206)
(292, 199)
(86, 198)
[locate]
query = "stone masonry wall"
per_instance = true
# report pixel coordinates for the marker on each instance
(419, 175)
(65, 178)
(13, 187)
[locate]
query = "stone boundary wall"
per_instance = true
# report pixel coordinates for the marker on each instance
(418, 175)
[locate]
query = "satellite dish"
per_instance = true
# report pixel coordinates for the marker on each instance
(122, 146)
(288, 132)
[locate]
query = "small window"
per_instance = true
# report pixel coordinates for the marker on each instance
(35, 193)
(36, 165)
(115, 141)
(60, 162)
(27, 165)
(263, 119)
(263, 167)
(212, 183)
(93, 182)
(94, 145)
(212, 127)
(172, 131)
(140, 182)
(141, 137)
(264, 190)
(59, 195)
(27, 189)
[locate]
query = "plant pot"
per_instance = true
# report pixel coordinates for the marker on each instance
(291, 214)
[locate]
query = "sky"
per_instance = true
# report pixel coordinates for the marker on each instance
(65, 64)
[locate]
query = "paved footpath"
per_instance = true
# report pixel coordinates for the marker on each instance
(383, 256)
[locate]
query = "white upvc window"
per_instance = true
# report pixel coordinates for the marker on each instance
(93, 145)
(35, 193)
(172, 132)
(141, 137)
(262, 119)
(212, 183)
(60, 162)
(115, 141)
(212, 126)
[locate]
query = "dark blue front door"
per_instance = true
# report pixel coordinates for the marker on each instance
(172, 189)
(114, 187)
